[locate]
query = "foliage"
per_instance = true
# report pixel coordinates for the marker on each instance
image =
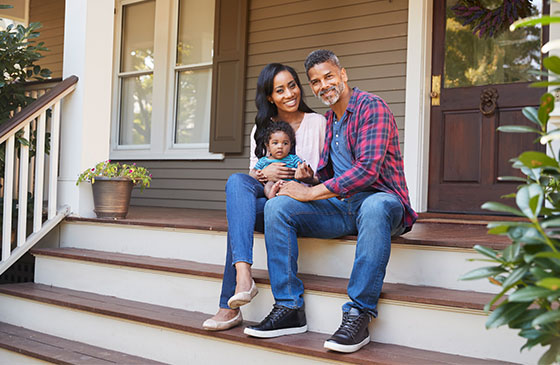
(490, 21)
(138, 175)
(528, 270)
(18, 54)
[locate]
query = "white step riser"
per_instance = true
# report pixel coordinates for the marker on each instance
(152, 342)
(414, 265)
(9, 357)
(424, 326)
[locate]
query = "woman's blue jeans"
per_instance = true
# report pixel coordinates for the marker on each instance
(245, 202)
(373, 216)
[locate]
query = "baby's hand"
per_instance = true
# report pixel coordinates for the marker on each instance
(271, 189)
(261, 177)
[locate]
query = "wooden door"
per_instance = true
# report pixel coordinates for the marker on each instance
(484, 84)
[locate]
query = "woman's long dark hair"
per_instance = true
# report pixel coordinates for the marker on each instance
(266, 109)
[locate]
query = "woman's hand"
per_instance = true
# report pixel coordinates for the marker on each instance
(278, 171)
(304, 173)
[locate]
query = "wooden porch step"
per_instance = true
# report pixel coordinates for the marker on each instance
(441, 232)
(308, 344)
(397, 292)
(59, 350)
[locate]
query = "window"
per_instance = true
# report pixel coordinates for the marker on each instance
(163, 83)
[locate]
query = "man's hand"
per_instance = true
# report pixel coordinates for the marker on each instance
(295, 190)
(278, 171)
(304, 173)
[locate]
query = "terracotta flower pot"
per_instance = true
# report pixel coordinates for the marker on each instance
(111, 196)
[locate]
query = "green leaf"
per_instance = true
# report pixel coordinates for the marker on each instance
(551, 356)
(524, 321)
(511, 252)
(530, 199)
(488, 252)
(549, 283)
(534, 159)
(529, 294)
(544, 84)
(515, 276)
(499, 207)
(532, 114)
(549, 254)
(548, 317)
(511, 178)
(530, 21)
(518, 129)
(545, 108)
(551, 222)
(505, 313)
(482, 272)
(552, 63)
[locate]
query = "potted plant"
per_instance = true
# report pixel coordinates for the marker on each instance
(112, 184)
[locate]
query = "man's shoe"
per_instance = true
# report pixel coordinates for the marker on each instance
(279, 322)
(352, 334)
(243, 298)
(213, 325)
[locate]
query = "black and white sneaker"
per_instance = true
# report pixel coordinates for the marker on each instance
(279, 322)
(352, 334)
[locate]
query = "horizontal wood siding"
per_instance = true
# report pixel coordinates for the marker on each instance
(368, 36)
(50, 13)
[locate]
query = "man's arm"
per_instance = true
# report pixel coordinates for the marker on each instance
(304, 193)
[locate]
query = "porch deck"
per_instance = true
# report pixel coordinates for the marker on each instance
(448, 230)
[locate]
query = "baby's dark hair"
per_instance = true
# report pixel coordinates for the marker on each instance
(280, 126)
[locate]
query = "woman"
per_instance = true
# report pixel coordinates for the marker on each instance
(278, 97)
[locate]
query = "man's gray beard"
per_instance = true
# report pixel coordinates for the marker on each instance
(330, 103)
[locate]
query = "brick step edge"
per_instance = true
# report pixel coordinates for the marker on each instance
(58, 350)
(458, 299)
(307, 344)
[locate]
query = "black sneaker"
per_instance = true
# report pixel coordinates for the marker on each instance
(279, 322)
(352, 334)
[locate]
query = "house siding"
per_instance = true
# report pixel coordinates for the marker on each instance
(368, 36)
(48, 13)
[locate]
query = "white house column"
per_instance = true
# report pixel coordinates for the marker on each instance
(86, 113)
(417, 114)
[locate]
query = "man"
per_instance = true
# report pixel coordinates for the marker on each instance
(362, 191)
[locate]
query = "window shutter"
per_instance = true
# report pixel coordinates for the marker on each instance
(228, 76)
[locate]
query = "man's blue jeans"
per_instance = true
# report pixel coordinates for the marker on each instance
(245, 202)
(373, 216)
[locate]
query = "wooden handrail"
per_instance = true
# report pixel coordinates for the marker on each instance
(37, 105)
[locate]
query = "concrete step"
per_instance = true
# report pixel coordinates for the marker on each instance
(21, 345)
(415, 316)
(432, 254)
(174, 335)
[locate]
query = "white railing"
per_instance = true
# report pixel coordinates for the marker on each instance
(24, 175)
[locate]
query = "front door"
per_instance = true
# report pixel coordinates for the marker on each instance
(484, 84)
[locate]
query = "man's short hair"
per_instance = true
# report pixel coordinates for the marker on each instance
(320, 56)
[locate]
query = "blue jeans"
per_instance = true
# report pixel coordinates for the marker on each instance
(245, 202)
(373, 216)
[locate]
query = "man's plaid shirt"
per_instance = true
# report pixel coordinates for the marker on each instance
(373, 140)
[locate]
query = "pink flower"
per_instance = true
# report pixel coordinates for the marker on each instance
(93, 169)
(129, 170)
(150, 175)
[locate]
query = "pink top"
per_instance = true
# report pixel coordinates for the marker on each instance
(310, 139)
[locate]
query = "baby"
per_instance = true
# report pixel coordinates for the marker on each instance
(280, 138)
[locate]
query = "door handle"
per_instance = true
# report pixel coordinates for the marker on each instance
(436, 89)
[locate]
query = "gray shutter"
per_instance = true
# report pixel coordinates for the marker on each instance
(228, 76)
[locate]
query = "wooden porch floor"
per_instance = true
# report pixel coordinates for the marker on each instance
(435, 230)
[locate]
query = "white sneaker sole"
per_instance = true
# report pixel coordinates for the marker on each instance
(275, 333)
(330, 345)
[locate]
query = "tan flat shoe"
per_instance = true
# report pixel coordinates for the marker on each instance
(213, 325)
(243, 298)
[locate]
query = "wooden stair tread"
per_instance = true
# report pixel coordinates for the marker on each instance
(441, 233)
(398, 292)
(308, 344)
(59, 350)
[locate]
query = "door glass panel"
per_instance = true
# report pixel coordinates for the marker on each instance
(506, 58)
(193, 106)
(138, 37)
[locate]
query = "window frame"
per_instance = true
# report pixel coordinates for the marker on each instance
(162, 135)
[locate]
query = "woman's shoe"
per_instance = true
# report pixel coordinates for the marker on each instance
(213, 325)
(243, 298)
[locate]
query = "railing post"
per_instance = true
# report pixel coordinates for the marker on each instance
(39, 172)
(8, 196)
(23, 181)
(53, 166)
